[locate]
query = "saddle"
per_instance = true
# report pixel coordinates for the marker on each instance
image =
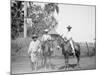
(68, 47)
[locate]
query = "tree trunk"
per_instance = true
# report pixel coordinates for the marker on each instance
(25, 15)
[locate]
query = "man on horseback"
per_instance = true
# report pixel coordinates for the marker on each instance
(46, 46)
(46, 36)
(69, 38)
(69, 48)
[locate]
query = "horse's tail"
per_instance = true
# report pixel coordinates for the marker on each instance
(78, 48)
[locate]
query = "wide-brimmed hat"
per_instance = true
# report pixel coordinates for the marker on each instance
(34, 36)
(46, 30)
(69, 28)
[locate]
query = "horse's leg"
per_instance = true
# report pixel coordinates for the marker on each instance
(45, 62)
(44, 58)
(49, 62)
(42, 61)
(42, 53)
(78, 58)
(36, 64)
(67, 60)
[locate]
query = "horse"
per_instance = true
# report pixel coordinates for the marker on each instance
(66, 48)
(47, 51)
(67, 51)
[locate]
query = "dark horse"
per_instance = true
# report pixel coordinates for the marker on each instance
(67, 51)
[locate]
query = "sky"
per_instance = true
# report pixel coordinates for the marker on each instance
(80, 18)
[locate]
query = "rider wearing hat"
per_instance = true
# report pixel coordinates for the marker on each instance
(46, 36)
(69, 37)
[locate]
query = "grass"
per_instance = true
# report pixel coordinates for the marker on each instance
(20, 47)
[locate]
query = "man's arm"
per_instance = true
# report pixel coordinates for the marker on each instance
(30, 47)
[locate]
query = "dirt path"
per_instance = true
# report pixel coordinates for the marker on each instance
(22, 64)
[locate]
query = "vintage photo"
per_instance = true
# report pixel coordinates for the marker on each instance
(52, 37)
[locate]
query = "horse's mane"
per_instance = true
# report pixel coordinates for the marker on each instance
(57, 37)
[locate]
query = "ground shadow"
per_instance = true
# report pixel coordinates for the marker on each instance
(69, 65)
(52, 66)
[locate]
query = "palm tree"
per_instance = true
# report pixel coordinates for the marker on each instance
(50, 8)
(42, 18)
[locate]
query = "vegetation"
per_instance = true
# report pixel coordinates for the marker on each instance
(17, 18)
(42, 17)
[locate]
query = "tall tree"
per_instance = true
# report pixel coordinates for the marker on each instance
(17, 18)
(42, 18)
(51, 8)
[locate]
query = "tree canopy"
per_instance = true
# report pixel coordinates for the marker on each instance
(17, 18)
(42, 18)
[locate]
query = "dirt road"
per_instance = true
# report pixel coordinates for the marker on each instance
(21, 64)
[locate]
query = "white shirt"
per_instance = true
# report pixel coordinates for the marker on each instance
(68, 35)
(33, 47)
(46, 37)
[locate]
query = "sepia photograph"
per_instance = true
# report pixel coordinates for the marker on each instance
(52, 37)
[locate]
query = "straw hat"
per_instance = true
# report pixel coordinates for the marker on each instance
(69, 28)
(46, 30)
(34, 36)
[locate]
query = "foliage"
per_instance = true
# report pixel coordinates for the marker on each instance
(17, 18)
(51, 7)
(42, 18)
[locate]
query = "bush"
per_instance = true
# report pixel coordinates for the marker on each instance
(20, 45)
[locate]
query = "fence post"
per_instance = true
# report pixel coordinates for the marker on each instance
(87, 48)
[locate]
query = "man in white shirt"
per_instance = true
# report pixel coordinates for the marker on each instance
(46, 36)
(69, 37)
(33, 51)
